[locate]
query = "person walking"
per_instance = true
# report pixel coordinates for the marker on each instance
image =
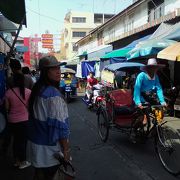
(48, 128)
(16, 101)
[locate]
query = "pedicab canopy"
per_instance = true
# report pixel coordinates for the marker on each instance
(67, 70)
(108, 74)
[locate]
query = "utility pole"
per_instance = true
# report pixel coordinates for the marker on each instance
(114, 6)
(93, 6)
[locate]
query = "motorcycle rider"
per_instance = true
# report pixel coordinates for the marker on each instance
(91, 81)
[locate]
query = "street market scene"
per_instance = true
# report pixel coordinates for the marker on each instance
(89, 90)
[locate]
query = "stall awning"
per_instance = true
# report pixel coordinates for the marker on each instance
(99, 51)
(170, 53)
(14, 10)
(6, 25)
(123, 51)
(83, 54)
(175, 33)
(150, 47)
(167, 31)
(117, 53)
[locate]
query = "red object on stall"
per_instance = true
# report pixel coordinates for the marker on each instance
(27, 54)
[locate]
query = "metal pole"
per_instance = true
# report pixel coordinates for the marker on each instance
(12, 47)
(15, 39)
(5, 40)
(154, 3)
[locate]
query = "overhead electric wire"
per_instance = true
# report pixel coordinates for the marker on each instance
(52, 18)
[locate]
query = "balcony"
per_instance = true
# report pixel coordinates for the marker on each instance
(156, 13)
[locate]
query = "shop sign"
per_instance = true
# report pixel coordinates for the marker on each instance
(47, 36)
(47, 46)
(47, 41)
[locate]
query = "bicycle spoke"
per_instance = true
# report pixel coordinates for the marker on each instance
(103, 126)
(168, 146)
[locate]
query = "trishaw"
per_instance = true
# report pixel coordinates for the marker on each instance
(68, 83)
(118, 111)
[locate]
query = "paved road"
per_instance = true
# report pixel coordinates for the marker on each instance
(118, 159)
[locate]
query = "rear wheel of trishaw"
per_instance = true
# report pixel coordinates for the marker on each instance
(103, 124)
(168, 148)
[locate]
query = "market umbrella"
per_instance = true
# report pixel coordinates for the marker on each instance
(150, 47)
(170, 53)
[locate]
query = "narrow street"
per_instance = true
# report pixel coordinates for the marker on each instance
(118, 159)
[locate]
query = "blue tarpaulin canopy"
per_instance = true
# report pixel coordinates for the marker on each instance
(175, 35)
(121, 53)
(150, 47)
(121, 59)
(87, 66)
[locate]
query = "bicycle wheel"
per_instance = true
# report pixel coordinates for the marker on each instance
(103, 124)
(168, 148)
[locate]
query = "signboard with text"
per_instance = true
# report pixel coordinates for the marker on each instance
(47, 41)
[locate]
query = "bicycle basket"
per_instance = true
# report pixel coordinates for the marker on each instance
(150, 97)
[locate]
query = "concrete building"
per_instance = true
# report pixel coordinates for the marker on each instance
(78, 25)
(141, 18)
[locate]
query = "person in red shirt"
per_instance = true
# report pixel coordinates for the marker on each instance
(91, 81)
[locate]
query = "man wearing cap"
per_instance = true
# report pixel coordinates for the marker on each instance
(147, 81)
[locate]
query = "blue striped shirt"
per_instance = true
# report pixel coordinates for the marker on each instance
(49, 124)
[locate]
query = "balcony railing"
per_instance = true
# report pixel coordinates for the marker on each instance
(157, 12)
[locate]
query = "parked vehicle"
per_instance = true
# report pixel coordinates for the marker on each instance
(68, 84)
(117, 110)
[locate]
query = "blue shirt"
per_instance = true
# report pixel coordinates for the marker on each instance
(143, 84)
(47, 127)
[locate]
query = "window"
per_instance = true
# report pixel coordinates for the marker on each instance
(78, 19)
(129, 23)
(155, 9)
(79, 34)
(74, 47)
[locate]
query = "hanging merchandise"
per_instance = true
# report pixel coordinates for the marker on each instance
(87, 66)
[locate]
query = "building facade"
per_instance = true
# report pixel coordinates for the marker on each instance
(78, 25)
(139, 19)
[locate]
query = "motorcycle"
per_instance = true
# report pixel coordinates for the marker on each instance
(96, 98)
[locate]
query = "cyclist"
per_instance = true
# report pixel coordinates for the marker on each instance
(147, 81)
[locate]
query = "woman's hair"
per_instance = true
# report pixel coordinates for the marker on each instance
(39, 86)
(26, 70)
(18, 79)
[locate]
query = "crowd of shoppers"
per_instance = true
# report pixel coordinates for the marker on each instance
(37, 117)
